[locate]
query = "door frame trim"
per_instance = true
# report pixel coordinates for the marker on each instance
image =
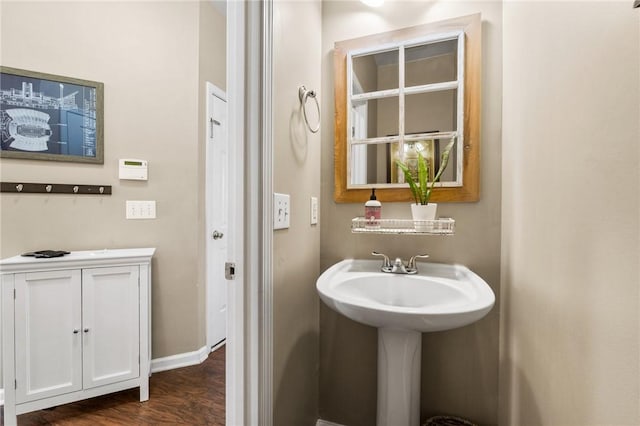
(249, 390)
(237, 376)
(266, 300)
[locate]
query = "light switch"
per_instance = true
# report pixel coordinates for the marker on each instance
(141, 209)
(314, 210)
(281, 211)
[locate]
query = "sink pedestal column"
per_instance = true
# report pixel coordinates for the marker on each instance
(399, 359)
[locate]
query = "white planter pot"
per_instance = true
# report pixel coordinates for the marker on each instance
(422, 214)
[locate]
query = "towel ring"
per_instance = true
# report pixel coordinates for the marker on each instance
(303, 94)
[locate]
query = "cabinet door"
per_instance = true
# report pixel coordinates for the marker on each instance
(110, 303)
(48, 341)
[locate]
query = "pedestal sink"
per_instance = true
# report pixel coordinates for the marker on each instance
(439, 297)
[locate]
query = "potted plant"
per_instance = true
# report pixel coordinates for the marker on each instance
(422, 210)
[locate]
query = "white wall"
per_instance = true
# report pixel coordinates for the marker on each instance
(571, 215)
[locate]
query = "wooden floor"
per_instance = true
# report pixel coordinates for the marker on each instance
(190, 396)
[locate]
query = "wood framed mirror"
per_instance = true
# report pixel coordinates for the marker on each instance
(406, 93)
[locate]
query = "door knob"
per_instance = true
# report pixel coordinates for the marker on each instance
(217, 235)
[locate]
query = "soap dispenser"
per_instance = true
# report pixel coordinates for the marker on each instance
(372, 211)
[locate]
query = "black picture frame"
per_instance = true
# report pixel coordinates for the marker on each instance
(50, 117)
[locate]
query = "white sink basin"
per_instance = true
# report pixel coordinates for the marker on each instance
(439, 297)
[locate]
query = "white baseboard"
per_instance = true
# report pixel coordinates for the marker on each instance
(321, 422)
(180, 360)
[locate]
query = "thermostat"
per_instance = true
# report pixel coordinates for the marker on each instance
(131, 169)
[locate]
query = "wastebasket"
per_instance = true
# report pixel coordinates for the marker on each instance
(448, 421)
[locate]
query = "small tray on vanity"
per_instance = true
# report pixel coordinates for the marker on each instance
(45, 254)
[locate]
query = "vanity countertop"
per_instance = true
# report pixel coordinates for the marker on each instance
(102, 257)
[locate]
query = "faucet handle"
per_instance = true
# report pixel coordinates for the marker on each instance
(412, 261)
(385, 261)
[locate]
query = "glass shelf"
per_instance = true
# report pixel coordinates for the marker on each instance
(442, 226)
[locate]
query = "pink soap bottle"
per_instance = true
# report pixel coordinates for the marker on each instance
(372, 211)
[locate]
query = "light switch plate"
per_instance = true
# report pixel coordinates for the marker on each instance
(281, 211)
(314, 210)
(141, 209)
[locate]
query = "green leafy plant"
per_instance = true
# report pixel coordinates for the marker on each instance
(421, 190)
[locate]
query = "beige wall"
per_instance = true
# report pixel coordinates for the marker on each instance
(296, 255)
(147, 56)
(459, 367)
(571, 213)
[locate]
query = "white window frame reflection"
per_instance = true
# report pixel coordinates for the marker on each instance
(356, 143)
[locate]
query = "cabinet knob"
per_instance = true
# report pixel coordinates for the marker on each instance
(86, 330)
(76, 331)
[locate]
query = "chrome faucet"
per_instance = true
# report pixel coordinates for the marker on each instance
(398, 266)
(386, 265)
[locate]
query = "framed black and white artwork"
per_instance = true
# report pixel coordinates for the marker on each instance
(50, 117)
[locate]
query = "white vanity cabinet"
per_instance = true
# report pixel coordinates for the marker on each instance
(74, 327)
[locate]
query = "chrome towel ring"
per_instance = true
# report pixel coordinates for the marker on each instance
(303, 94)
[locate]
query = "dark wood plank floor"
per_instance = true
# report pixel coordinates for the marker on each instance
(190, 395)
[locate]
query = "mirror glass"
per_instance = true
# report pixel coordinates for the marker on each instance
(373, 164)
(404, 103)
(431, 63)
(373, 72)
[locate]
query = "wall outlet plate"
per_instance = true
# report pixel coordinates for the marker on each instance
(281, 211)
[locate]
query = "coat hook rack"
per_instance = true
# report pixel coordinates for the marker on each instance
(54, 188)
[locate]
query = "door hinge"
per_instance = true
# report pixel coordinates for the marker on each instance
(230, 270)
(14, 294)
(15, 384)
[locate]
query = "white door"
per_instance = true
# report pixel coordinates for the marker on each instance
(217, 188)
(110, 325)
(48, 334)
